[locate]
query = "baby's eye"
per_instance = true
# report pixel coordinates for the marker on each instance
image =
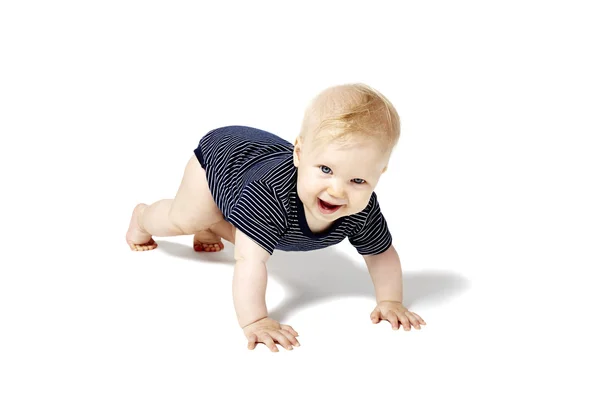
(361, 181)
(325, 169)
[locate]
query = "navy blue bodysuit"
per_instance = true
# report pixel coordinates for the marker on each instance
(252, 178)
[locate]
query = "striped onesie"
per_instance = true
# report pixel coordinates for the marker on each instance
(252, 178)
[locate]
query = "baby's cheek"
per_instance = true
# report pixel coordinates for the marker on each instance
(364, 203)
(304, 191)
(306, 185)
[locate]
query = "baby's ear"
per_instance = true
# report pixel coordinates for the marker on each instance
(297, 145)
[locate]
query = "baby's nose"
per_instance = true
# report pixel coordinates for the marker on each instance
(335, 191)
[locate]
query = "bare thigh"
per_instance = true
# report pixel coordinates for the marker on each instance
(225, 230)
(194, 208)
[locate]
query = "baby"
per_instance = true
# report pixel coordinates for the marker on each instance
(262, 193)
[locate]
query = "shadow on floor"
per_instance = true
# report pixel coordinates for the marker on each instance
(311, 277)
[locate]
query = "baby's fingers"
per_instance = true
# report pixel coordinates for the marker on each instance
(289, 329)
(268, 341)
(419, 318)
(282, 340)
(290, 337)
(404, 321)
(393, 318)
(413, 320)
(252, 341)
(376, 316)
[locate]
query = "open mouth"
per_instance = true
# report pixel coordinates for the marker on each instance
(327, 208)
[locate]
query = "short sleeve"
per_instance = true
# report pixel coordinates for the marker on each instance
(374, 236)
(260, 215)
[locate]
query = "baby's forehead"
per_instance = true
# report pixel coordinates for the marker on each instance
(350, 146)
(367, 157)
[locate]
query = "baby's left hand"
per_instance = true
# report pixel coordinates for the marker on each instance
(396, 314)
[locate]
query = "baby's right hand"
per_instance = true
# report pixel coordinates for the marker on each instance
(269, 331)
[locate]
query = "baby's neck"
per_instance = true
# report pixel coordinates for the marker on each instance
(315, 226)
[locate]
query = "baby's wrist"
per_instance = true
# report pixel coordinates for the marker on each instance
(389, 300)
(247, 324)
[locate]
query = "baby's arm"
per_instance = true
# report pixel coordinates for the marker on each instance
(249, 289)
(249, 280)
(386, 273)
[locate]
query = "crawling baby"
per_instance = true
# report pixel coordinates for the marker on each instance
(261, 193)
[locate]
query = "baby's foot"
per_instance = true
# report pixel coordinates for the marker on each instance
(137, 238)
(207, 241)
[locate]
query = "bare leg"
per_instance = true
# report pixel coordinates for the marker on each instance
(137, 238)
(150, 220)
(210, 240)
(224, 230)
(192, 210)
(207, 241)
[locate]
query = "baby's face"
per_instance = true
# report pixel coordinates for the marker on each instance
(345, 178)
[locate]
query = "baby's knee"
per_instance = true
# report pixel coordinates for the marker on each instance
(184, 222)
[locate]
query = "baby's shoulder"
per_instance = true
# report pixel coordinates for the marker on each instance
(244, 133)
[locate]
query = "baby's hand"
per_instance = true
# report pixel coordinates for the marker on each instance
(269, 331)
(394, 311)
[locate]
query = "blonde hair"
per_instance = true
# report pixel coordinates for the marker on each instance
(351, 111)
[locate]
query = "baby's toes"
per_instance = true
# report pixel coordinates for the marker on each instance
(144, 246)
(209, 247)
(149, 246)
(214, 247)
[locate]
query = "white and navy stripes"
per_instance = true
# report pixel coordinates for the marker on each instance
(252, 178)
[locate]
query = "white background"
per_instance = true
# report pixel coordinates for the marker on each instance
(492, 198)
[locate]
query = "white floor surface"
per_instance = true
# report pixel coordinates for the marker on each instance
(492, 198)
